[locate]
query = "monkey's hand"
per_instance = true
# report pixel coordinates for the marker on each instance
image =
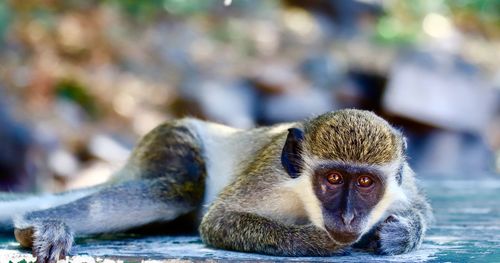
(398, 234)
(50, 240)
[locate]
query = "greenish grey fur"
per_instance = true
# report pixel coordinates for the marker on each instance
(355, 136)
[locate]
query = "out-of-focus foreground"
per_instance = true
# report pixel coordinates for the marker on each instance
(80, 81)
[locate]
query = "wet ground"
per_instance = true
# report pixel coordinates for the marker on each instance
(467, 229)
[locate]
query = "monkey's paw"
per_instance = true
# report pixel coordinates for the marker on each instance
(52, 240)
(394, 237)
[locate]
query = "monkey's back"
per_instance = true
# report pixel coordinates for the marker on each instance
(228, 151)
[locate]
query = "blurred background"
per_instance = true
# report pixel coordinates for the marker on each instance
(81, 81)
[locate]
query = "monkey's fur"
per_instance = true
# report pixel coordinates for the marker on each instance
(295, 189)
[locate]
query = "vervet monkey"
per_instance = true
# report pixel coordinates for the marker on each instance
(311, 188)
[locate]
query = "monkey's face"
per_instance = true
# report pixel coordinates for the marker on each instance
(347, 195)
(353, 157)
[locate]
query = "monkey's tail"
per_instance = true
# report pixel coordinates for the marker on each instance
(16, 204)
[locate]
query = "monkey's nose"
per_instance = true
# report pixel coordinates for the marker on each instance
(347, 218)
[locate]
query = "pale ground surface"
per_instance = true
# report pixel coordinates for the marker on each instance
(467, 229)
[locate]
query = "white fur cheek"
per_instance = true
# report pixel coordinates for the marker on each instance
(393, 196)
(302, 186)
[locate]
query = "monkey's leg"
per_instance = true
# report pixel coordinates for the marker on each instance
(168, 174)
(12, 204)
(247, 232)
(120, 207)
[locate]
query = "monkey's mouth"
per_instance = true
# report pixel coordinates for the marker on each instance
(344, 237)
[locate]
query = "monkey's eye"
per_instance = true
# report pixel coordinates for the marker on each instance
(334, 178)
(365, 181)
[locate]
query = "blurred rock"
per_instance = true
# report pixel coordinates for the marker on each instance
(63, 163)
(277, 77)
(296, 105)
(93, 173)
(451, 106)
(449, 153)
(362, 89)
(106, 148)
(441, 90)
(346, 14)
(322, 71)
(238, 107)
(16, 171)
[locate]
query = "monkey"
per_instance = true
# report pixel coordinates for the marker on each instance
(316, 187)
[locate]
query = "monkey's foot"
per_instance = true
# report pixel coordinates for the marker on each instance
(51, 240)
(393, 237)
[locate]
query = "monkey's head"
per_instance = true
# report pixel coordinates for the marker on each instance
(352, 160)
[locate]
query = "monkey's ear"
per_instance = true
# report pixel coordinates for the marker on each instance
(291, 156)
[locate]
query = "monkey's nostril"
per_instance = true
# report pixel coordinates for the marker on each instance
(347, 218)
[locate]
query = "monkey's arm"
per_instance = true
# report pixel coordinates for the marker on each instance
(248, 232)
(119, 207)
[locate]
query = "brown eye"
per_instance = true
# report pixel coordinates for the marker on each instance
(364, 181)
(334, 178)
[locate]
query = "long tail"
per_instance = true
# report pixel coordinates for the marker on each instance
(14, 204)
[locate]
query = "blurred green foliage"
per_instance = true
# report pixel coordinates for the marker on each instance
(5, 17)
(147, 10)
(71, 90)
(402, 22)
(487, 11)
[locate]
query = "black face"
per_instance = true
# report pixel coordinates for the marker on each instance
(347, 194)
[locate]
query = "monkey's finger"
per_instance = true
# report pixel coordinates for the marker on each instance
(391, 218)
(42, 256)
